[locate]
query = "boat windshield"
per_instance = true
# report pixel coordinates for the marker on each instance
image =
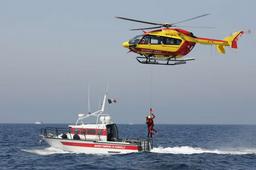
(135, 40)
(112, 132)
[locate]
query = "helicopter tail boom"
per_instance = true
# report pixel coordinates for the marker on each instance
(220, 44)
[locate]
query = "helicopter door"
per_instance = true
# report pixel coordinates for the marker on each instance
(144, 44)
(155, 44)
(170, 44)
(149, 43)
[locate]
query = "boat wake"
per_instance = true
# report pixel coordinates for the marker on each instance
(186, 150)
(197, 150)
(52, 150)
(45, 151)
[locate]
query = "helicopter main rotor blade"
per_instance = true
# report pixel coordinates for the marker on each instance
(140, 21)
(188, 26)
(146, 28)
(159, 25)
(189, 19)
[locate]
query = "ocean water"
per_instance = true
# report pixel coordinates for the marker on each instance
(190, 147)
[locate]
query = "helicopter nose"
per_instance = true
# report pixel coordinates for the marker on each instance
(126, 44)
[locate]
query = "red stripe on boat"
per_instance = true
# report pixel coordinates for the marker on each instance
(82, 131)
(109, 146)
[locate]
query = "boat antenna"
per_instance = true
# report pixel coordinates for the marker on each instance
(81, 117)
(107, 87)
(89, 101)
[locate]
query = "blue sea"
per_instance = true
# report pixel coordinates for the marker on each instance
(179, 147)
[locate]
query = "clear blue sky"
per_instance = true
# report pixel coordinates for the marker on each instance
(51, 50)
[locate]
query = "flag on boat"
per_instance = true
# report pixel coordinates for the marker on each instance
(110, 101)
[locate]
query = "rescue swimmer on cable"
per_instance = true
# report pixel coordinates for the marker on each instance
(166, 44)
(150, 123)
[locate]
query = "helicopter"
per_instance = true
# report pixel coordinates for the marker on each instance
(167, 44)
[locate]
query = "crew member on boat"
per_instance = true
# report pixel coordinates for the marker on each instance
(150, 123)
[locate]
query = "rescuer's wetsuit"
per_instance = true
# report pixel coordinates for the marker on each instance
(150, 124)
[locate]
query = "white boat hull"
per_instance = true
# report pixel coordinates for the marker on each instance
(91, 147)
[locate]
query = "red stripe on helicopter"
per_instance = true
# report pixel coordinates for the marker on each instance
(208, 39)
(105, 146)
(185, 48)
(155, 52)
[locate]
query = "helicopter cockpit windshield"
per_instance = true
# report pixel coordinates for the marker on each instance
(135, 40)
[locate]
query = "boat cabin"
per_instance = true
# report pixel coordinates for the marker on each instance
(105, 130)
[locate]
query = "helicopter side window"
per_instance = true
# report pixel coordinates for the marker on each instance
(145, 40)
(177, 41)
(171, 41)
(155, 40)
(135, 40)
(150, 39)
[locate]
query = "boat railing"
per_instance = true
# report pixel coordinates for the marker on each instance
(54, 132)
(146, 144)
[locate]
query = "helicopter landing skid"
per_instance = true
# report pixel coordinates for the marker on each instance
(144, 60)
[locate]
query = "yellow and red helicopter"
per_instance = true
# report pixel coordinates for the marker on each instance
(166, 44)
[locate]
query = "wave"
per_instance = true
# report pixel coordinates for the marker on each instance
(197, 150)
(45, 151)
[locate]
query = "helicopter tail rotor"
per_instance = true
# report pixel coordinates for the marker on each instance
(231, 41)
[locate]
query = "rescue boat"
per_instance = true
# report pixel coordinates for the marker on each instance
(93, 138)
